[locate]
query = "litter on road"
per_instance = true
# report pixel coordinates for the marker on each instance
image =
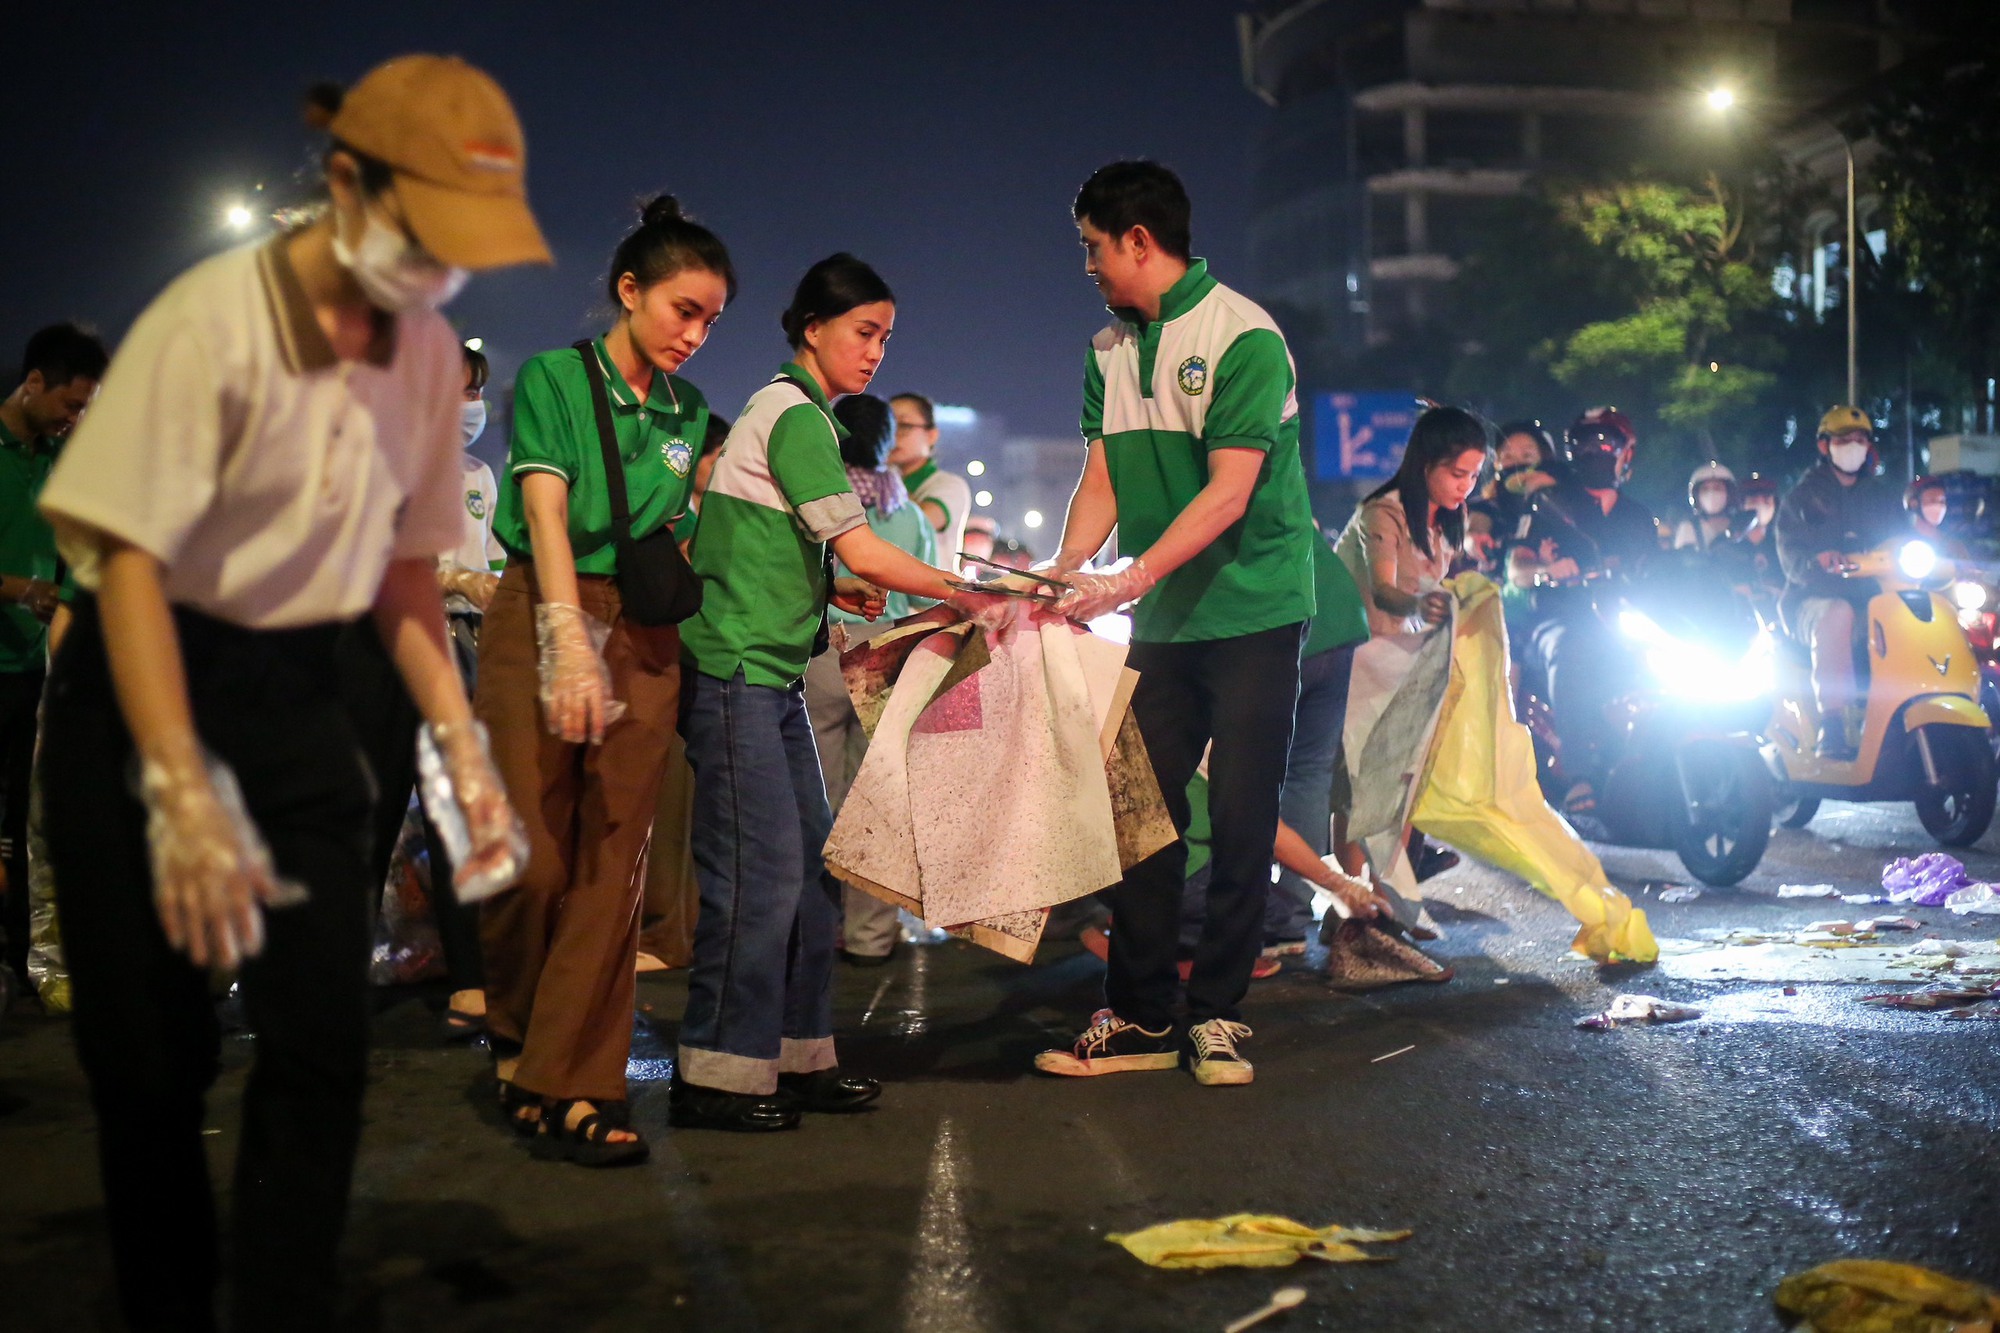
(1679, 893)
(1392, 1055)
(1929, 999)
(1937, 880)
(1249, 1240)
(1808, 891)
(1628, 1010)
(1284, 1298)
(1877, 1296)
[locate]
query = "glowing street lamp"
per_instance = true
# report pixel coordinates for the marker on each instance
(237, 217)
(1721, 99)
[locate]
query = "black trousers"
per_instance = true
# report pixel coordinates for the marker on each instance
(1240, 693)
(266, 704)
(1583, 666)
(20, 697)
(386, 720)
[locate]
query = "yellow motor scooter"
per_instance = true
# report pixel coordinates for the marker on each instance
(1923, 738)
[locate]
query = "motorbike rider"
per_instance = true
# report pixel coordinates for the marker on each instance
(1712, 499)
(1583, 526)
(1926, 502)
(1838, 507)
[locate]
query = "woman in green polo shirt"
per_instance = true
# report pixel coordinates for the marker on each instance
(580, 699)
(756, 1046)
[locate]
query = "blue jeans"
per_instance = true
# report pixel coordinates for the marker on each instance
(1308, 797)
(760, 991)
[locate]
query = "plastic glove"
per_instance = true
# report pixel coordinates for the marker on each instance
(996, 615)
(474, 585)
(576, 685)
(212, 873)
(1094, 595)
(467, 803)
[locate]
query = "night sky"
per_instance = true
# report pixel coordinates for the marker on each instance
(941, 142)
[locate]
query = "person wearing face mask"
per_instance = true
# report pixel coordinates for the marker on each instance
(1712, 501)
(1585, 527)
(1837, 508)
(1926, 503)
(275, 453)
(580, 677)
(756, 1044)
(1523, 464)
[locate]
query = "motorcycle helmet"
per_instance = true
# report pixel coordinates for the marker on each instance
(1598, 447)
(1535, 431)
(1913, 499)
(1712, 471)
(1841, 420)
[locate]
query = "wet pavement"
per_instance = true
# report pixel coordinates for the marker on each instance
(1647, 1178)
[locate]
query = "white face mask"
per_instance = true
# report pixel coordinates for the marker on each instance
(1849, 458)
(393, 271)
(1711, 501)
(472, 420)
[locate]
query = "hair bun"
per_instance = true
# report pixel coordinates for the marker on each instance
(661, 208)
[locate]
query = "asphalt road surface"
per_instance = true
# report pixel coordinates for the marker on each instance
(1660, 1178)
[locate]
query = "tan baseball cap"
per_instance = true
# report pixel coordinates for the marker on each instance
(450, 135)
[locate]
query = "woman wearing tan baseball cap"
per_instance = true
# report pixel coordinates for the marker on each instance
(274, 455)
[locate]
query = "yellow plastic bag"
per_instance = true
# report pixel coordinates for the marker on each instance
(1877, 1296)
(1480, 793)
(1249, 1240)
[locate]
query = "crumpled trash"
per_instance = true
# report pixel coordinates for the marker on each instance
(1878, 1296)
(1249, 1240)
(1679, 893)
(1628, 1010)
(1929, 880)
(1928, 999)
(1881, 923)
(1981, 898)
(1808, 891)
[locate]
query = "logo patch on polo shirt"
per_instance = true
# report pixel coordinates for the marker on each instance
(475, 504)
(679, 456)
(1193, 376)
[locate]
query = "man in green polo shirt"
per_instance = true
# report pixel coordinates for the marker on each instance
(59, 374)
(1192, 424)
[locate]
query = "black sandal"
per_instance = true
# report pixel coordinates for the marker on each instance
(513, 1101)
(589, 1141)
(460, 1025)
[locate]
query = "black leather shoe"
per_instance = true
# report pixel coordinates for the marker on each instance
(827, 1091)
(693, 1107)
(1433, 861)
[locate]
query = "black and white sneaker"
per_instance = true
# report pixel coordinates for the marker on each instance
(1212, 1053)
(1110, 1045)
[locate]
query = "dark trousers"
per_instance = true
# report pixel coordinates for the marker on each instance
(267, 705)
(386, 720)
(20, 696)
(1583, 664)
(1241, 693)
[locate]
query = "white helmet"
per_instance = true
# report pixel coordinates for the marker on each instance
(1712, 471)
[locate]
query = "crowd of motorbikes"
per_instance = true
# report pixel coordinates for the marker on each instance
(1711, 729)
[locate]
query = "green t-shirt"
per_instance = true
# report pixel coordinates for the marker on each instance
(555, 431)
(1212, 372)
(778, 494)
(1341, 618)
(27, 546)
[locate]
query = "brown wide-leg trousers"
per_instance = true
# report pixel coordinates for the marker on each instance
(560, 945)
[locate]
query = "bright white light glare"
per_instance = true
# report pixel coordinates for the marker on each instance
(1968, 596)
(1032, 519)
(1721, 99)
(983, 499)
(1640, 626)
(975, 468)
(237, 217)
(476, 344)
(947, 415)
(1689, 671)
(1916, 560)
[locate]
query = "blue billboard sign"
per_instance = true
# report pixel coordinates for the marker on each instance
(1360, 436)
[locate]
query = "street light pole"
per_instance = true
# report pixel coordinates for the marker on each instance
(1853, 280)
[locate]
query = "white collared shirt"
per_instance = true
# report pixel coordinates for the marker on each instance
(273, 481)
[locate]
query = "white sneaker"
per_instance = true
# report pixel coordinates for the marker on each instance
(1212, 1053)
(1111, 1045)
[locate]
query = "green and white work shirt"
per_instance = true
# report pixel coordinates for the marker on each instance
(555, 431)
(1212, 372)
(778, 495)
(946, 495)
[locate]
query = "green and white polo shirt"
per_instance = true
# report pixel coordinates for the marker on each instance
(949, 493)
(555, 431)
(1212, 372)
(27, 545)
(779, 493)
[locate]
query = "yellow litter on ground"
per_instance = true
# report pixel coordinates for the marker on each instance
(1249, 1240)
(1480, 793)
(1878, 1296)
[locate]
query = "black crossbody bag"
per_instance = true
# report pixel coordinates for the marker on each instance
(656, 583)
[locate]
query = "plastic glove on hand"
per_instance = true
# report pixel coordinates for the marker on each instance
(467, 803)
(1094, 595)
(575, 683)
(999, 617)
(859, 597)
(474, 585)
(212, 873)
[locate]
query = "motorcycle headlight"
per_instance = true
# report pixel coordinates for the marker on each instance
(1917, 560)
(1689, 671)
(1968, 596)
(1641, 628)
